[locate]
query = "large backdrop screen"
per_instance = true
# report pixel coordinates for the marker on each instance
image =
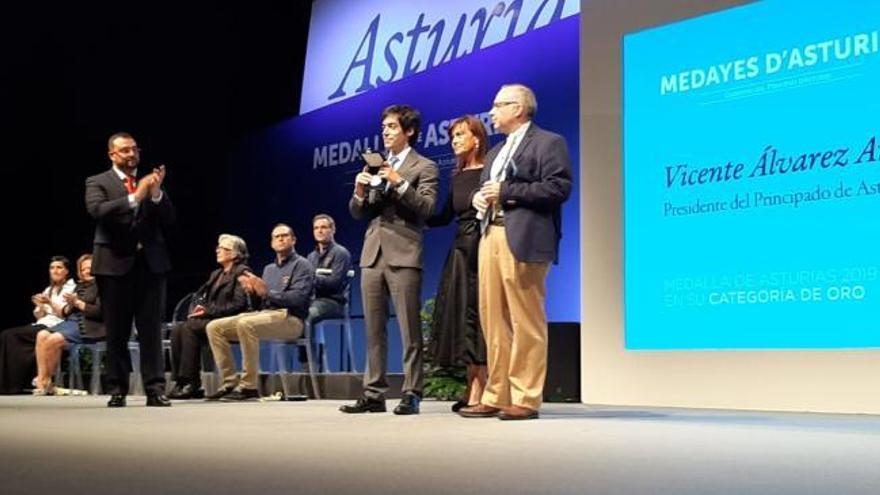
(751, 179)
(446, 59)
(356, 47)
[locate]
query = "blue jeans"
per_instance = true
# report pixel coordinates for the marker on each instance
(321, 309)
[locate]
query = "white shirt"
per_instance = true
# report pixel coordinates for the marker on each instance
(511, 144)
(404, 185)
(400, 157)
(51, 319)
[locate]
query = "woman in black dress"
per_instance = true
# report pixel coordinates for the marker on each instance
(456, 335)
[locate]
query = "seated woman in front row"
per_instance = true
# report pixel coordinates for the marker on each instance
(222, 295)
(83, 323)
(17, 344)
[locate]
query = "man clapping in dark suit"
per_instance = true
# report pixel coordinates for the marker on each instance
(526, 179)
(130, 263)
(396, 202)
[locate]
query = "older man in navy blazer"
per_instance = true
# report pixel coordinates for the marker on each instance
(526, 179)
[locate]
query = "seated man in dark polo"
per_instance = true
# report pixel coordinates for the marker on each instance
(285, 291)
(332, 263)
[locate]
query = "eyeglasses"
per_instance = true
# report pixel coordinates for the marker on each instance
(128, 151)
(499, 104)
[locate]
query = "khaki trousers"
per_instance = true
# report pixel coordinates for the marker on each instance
(514, 323)
(248, 329)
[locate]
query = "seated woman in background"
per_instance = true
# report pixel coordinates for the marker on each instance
(222, 295)
(17, 363)
(84, 323)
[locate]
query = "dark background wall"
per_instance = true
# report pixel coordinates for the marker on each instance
(187, 80)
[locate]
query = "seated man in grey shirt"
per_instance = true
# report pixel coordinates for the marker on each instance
(284, 290)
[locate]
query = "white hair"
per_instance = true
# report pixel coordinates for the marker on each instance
(525, 96)
(239, 247)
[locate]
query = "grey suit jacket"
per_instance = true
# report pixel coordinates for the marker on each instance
(537, 183)
(396, 221)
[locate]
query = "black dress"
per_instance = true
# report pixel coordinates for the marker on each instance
(456, 335)
(18, 364)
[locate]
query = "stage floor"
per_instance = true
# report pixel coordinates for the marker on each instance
(67, 445)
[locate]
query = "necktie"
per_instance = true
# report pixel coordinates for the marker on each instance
(393, 161)
(494, 209)
(504, 164)
(130, 184)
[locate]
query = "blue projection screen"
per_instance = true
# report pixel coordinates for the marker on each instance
(751, 179)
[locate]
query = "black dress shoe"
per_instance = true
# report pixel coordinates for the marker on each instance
(241, 395)
(409, 404)
(364, 405)
(459, 404)
(158, 400)
(116, 400)
(220, 393)
(186, 392)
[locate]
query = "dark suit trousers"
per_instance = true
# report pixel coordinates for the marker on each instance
(188, 338)
(138, 296)
(404, 285)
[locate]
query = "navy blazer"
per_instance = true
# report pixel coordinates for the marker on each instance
(120, 229)
(537, 183)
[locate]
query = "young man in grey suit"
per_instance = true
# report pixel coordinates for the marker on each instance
(525, 181)
(396, 202)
